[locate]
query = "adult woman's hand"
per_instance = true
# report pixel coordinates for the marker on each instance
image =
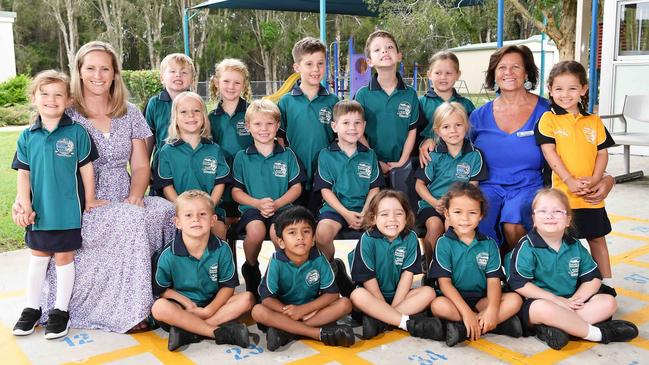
(600, 191)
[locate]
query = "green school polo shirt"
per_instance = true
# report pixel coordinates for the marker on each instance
(431, 101)
(468, 266)
(349, 178)
(560, 272)
(266, 176)
(444, 169)
(198, 280)
(292, 284)
(229, 131)
(307, 125)
(376, 257)
(158, 116)
(53, 160)
(389, 117)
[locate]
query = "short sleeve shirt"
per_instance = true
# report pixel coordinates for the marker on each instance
(431, 101)
(53, 159)
(349, 178)
(375, 257)
(468, 266)
(158, 115)
(559, 272)
(292, 284)
(229, 131)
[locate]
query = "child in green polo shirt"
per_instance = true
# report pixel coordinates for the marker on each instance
(198, 276)
(467, 268)
(443, 73)
(383, 264)
(560, 280)
(189, 159)
(54, 162)
(306, 113)
(176, 74)
(391, 107)
(299, 294)
(454, 158)
(267, 178)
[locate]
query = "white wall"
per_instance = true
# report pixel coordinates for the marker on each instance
(8, 64)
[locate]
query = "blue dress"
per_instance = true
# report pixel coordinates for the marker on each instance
(515, 163)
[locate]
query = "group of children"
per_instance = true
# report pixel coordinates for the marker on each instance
(253, 161)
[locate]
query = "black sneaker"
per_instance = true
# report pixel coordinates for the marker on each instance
(343, 281)
(338, 335)
(27, 322)
(179, 337)
(276, 338)
(372, 327)
(511, 327)
(617, 331)
(252, 276)
(57, 325)
(232, 333)
(554, 337)
(426, 327)
(605, 289)
(455, 333)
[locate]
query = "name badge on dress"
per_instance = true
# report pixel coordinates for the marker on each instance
(525, 133)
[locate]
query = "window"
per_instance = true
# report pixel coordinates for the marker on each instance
(634, 29)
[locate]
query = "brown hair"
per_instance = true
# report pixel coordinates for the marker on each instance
(306, 46)
(528, 61)
(118, 97)
(347, 106)
(193, 195)
(174, 132)
(369, 219)
(573, 68)
(262, 106)
(379, 34)
(444, 111)
(48, 77)
(459, 189)
(230, 64)
(444, 55)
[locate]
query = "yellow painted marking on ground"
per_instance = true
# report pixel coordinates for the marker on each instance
(638, 263)
(11, 294)
(640, 342)
(638, 317)
(632, 294)
(551, 356)
(11, 352)
(617, 217)
(498, 351)
(629, 255)
(629, 236)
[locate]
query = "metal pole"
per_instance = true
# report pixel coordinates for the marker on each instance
(592, 64)
(414, 77)
(542, 84)
(336, 56)
(323, 35)
(186, 30)
(501, 20)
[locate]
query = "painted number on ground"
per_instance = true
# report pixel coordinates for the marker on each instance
(637, 278)
(640, 229)
(78, 340)
(427, 358)
(239, 354)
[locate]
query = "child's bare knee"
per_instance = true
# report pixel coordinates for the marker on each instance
(161, 309)
(259, 313)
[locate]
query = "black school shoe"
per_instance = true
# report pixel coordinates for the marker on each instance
(232, 333)
(617, 331)
(57, 325)
(554, 337)
(179, 337)
(455, 333)
(343, 281)
(426, 327)
(27, 322)
(511, 327)
(338, 335)
(372, 327)
(276, 338)
(252, 276)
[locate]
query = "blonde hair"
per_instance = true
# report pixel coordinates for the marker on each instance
(118, 98)
(48, 77)
(230, 64)
(369, 219)
(179, 59)
(444, 111)
(262, 106)
(194, 194)
(553, 193)
(174, 131)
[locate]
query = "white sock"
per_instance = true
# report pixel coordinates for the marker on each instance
(608, 281)
(35, 278)
(594, 334)
(404, 319)
(64, 284)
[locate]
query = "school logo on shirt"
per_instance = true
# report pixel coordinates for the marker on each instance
(312, 277)
(399, 255)
(404, 109)
(463, 171)
(209, 165)
(214, 272)
(482, 258)
(561, 132)
(325, 116)
(573, 266)
(280, 169)
(64, 147)
(241, 128)
(590, 134)
(364, 170)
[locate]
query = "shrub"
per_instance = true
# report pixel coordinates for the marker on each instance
(142, 84)
(14, 91)
(16, 115)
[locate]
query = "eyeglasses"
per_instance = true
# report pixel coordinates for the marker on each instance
(557, 213)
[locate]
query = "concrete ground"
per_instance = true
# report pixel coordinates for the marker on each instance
(628, 244)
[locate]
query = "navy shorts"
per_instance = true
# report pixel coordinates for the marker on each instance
(253, 214)
(334, 216)
(591, 223)
(426, 213)
(53, 241)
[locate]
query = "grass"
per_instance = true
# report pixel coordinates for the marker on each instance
(11, 236)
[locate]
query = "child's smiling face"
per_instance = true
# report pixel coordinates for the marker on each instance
(390, 218)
